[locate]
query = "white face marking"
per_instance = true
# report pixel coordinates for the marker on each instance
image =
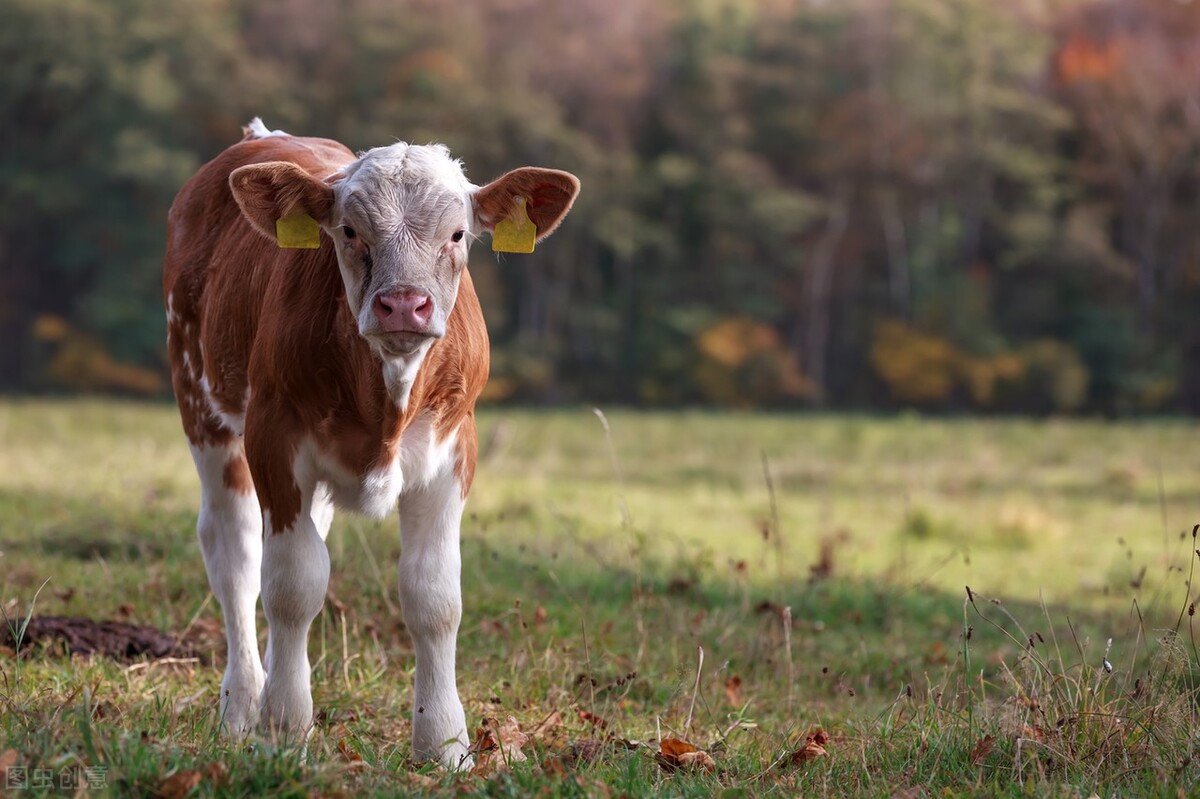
(401, 226)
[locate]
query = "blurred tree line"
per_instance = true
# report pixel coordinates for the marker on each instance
(946, 204)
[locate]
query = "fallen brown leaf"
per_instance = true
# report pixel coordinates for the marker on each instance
(217, 773)
(498, 745)
(7, 760)
(348, 754)
(1033, 732)
(733, 690)
(179, 784)
(493, 627)
(982, 749)
(417, 780)
(555, 767)
(593, 719)
(674, 754)
(813, 747)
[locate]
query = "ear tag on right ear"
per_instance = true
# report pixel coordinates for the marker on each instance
(516, 234)
(297, 231)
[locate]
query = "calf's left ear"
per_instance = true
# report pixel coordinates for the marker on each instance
(270, 191)
(548, 195)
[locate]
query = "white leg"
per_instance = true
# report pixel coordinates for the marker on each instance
(430, 568)
(322, 510)
(295, 576)
(230, 533)
(321, 514)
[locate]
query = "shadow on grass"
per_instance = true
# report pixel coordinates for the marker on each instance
(60, 525)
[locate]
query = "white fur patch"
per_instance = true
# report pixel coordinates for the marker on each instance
(399, 374)
(258, 130)
(232, 420)
(422, 456)
(372, 495)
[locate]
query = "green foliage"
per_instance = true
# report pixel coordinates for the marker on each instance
(996, 175)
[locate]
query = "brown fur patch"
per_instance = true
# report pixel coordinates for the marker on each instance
(236, 475)
(468, 450)
(267, 192)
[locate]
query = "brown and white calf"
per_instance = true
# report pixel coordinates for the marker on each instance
(344, 375)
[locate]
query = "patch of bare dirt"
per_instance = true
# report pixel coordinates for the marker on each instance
(78, 636)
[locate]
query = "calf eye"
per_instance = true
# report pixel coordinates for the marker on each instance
(348, 232)
(458, 236)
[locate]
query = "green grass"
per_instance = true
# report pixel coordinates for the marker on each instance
(578, 573)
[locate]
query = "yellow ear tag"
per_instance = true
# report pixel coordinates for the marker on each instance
(297, 231)
(516, 234)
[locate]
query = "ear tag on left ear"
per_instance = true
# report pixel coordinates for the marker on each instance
(297, 231)
(516, 234)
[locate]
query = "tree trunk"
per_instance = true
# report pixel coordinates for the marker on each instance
(813, 327)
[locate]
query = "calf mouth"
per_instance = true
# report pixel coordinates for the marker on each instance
(400, 343)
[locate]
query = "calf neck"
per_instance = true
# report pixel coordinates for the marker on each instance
(341, 371)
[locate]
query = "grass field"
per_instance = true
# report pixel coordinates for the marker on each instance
(596, 567)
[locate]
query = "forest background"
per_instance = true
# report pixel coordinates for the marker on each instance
(952, 205)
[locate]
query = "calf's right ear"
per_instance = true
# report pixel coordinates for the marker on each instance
(268, 192)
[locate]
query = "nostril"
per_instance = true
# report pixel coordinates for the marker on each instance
(424, 309)
(385, 306)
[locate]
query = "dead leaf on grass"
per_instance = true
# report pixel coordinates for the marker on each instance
(591, 718)
(733, 690)
(1033, 732)
(349, 754)
(179, 784)
(982, 749)
(498, 745)
(416, 779)
(814, 747)
(674, 754)
(555, 767)
(7, 761)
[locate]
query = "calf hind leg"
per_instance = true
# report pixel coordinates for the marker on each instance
(230, 533)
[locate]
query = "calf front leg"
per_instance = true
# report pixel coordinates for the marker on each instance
(230, 533)
(295, 577)
(430, 568)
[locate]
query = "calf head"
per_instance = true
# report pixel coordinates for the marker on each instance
(400, 219)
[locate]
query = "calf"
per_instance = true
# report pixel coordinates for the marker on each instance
(340, 373)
